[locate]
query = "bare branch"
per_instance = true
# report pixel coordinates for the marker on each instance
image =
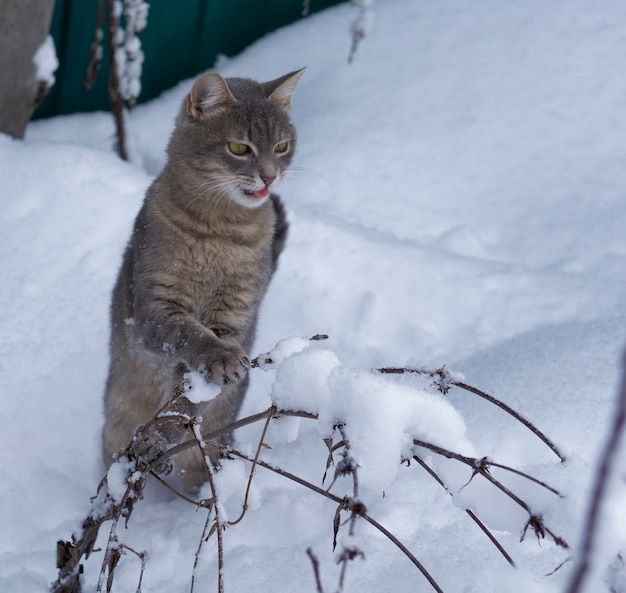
(470, 513)
(607, 462)
(349, 505)
(254, 463)
(479, 466)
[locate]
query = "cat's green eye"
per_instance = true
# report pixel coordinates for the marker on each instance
(238, 148)
(281, 147)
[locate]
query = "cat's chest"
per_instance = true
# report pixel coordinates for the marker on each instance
(221, 281)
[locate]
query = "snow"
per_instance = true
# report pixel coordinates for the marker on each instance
(457, 198)
(46, 62)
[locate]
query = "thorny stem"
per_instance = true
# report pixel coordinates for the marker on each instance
(444, 380)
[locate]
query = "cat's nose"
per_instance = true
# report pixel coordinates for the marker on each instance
(267, 179)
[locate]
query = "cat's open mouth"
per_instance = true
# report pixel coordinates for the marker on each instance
(260, 193)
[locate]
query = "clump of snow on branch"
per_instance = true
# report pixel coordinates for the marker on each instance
(198, 390)
(129, 55)
(381, 415)
(46, 62)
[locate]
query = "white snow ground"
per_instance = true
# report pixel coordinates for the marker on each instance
(458, 198)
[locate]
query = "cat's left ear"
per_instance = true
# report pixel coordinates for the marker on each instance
(280, 91)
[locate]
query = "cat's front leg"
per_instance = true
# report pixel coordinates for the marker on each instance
(177, 334)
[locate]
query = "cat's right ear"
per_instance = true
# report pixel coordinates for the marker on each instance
(209, 91)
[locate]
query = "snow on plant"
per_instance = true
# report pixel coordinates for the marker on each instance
(46, 62)
(129, 55)
(126, 58)
(371, 421)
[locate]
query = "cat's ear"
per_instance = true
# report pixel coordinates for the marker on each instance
(279, 91)
(207, 92)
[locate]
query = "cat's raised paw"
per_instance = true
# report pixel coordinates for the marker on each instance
(224, 366)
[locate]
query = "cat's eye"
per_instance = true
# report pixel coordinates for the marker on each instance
(238, 148)
(281, 147)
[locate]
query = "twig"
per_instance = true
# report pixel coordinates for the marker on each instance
(469, 512)
(254, 463)
(95, 49)
(348, 466)
(199, 503)
(206, 533)
(316, 569)
(210, 436)
(349, 505)
(607, 462)
(111, 555)
(480, 466)
(116, 102)
(219, 523)
(444, 380)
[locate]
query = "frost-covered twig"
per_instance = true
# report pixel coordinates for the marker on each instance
(443, 380)
(607, 462)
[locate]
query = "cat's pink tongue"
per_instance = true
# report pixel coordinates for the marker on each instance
(261, 193)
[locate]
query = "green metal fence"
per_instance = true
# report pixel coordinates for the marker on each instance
(183, 38)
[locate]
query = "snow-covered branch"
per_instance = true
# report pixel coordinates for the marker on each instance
(371, 422)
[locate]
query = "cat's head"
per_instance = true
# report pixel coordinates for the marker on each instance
(234, 137)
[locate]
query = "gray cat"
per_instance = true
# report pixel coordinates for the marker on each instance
(204, 247)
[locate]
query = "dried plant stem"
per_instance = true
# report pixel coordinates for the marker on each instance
(349, 466)
(206, 533)
(109, 562)
(115, 99)
(469, 512)
(349, 505)
(481, 466)
(218, 522)
(270, 414)
(443, 382)
(316, 570)
(95, 49)
(607, 462)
